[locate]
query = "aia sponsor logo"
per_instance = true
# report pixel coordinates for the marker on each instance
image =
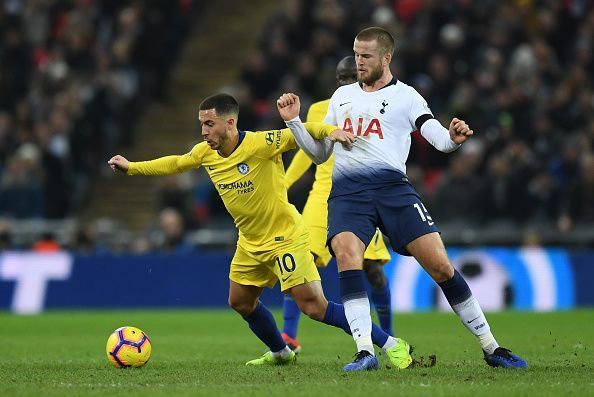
(374, 127)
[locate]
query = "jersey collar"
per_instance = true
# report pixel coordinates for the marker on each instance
(241, 136)
(392, 82)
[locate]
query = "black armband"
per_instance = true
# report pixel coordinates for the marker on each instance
(421, 120)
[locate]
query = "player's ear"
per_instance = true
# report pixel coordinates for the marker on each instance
(387, 58)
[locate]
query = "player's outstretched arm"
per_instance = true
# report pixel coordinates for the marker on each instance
(162, 166)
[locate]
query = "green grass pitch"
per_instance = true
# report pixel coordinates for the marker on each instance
(202, 353)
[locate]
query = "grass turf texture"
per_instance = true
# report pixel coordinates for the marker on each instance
(204, 352)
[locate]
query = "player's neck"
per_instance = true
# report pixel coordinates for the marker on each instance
(379, 83)
(230, 144)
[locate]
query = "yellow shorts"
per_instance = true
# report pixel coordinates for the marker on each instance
(376, 250)
(291, 264)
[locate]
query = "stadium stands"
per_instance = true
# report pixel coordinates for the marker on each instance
(75, 75)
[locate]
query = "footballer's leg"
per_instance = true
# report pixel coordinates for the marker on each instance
(380, 293)
(310, 298)
(351, 226)
(244, 299)
(430, 252)
(248, 275)
(291, 315)
(375, 257)
(321, 256)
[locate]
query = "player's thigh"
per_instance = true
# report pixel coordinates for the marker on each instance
(243, 298)
(294, 264)
(430, 252)
(377, 250)
(353, 213)
(403, 216)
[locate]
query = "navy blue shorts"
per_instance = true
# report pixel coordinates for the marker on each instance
(396, 209)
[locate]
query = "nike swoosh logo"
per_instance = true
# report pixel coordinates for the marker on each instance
(285, 279)
(343, 103)
(472, 320)
(211, 168)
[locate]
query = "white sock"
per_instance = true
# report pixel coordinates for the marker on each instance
(390, 343)
(282, 354)
(473, 318)
(358, 314)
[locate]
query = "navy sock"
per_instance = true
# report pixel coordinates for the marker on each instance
(351, 285)
(291, 315)
(335, 316)
(382, 300)
(262, 324)
(455, 289)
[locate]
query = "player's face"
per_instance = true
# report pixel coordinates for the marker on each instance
(370, 62)
(214, 128)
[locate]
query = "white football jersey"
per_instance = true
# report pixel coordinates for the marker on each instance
(383, 121)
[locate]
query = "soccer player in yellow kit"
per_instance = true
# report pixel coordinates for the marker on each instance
(247, 170)
(315, 215)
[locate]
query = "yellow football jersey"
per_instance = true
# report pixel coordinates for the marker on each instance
(250, 181)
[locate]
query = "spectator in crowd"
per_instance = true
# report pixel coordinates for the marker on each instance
(170, 235)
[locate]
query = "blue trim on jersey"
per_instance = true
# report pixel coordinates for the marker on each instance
(241, 136)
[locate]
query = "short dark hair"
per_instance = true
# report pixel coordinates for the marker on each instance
(346, 71)
(221, 103)
(385, 41)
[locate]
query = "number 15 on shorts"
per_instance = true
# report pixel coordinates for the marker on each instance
(423, 213)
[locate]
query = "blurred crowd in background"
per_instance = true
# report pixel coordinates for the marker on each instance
(74, 77)
(519, 72)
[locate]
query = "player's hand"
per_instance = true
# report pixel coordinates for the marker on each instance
(288, 106)
(459, 131)
(346, 138)
(119, 163)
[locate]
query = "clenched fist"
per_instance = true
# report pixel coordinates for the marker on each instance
(119, 163)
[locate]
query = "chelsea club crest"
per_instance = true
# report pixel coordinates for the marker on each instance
(243, 168)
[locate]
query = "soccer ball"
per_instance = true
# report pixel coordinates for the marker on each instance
(128, 347)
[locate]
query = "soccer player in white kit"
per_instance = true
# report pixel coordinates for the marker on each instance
(370, 189)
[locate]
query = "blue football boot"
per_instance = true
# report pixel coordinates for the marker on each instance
(504, 358)
(364, 361)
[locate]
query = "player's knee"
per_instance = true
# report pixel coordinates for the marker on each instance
(315, 312)
(375, 274)
(313, 308)
(242, 307)
(348, 259)
(442, 271)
